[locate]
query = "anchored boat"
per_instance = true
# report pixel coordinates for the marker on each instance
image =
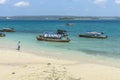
(2, 35)
(52, 38)
(7, 30)
(93, 35)
(69, 24)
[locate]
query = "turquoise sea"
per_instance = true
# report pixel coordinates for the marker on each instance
(27, 30)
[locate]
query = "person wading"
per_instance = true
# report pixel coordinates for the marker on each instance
(18, 48)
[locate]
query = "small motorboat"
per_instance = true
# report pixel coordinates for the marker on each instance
(93, 35)
(2, 35)
(69, 24)
(7, 30)
(52, 38)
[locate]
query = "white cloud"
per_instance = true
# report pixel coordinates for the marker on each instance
(3, 1)
(21, 4)
(117, 1)
(100, 2)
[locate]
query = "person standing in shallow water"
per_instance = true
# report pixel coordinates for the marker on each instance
(18, 48)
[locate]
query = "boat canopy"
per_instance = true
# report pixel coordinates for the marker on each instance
(52, 35)
(7, 28)
(94, 32)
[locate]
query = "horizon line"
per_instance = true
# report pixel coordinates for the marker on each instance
(55, 16)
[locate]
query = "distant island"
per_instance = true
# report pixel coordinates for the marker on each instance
(58, 18)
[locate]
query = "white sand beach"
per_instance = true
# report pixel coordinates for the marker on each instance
(15, 65)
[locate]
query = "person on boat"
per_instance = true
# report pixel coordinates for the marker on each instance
(68, 38)
(18, 46)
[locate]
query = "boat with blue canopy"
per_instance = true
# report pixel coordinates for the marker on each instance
(52, 37)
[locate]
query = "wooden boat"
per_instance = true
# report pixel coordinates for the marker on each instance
(7, 30)
(2, 35)
(93, 35)
(42, 38)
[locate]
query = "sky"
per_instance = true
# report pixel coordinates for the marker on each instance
(60, 7)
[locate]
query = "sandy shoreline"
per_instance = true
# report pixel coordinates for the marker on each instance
(16, 65)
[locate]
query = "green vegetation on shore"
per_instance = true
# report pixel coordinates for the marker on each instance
(58, 18)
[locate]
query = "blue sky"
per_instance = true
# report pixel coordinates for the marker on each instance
(60, 7)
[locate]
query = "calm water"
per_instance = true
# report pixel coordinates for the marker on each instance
(28, 30)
